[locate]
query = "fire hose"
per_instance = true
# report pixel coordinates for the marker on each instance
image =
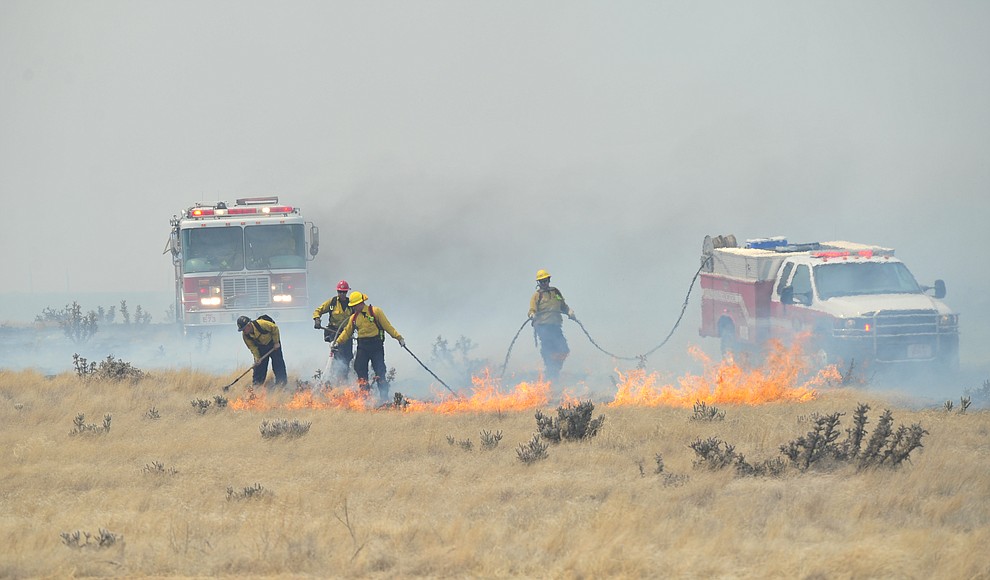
(428, 370)
(509, 352)
(339, 328)
(642, 357)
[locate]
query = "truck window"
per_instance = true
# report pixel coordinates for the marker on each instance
(212, 249)
(802, 282)
(856, 278)
(784, 274)
(275, 247)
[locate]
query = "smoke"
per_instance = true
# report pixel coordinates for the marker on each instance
(447, 152)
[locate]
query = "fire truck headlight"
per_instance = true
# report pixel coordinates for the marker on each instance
(211, 301)
(948, 320)
(282, 298)
(854, 324)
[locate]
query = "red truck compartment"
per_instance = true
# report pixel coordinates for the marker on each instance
(745, 302)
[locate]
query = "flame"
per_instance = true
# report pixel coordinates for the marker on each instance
(783, 377)
(486, 396)
(352, 399)
(779, 379)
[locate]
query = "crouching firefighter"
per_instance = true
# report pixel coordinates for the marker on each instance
(370, 324)
(546, 310)
(262, 339)
(338, 312)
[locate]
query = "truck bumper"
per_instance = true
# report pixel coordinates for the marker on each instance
(206, 318)
(899, 349)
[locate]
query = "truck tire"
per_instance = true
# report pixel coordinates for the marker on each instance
(948, 361)
(820, 349)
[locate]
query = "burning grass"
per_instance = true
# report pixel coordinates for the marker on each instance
(785, 376)
(381, 493)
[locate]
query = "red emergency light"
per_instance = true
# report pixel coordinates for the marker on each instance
(828, 255)
(242, 210)
(201, 211)
(842, 254)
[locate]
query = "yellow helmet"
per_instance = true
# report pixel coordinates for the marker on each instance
(356, 298)
(542, 275)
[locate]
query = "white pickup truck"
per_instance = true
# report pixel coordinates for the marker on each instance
(850, 300)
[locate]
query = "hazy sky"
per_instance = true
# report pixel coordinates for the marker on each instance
(448, 150)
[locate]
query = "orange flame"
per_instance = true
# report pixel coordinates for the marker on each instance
(782, 378)
(779, 379)
(351, 399)
(487, 396)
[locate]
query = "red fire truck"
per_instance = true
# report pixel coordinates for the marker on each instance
(241, 259)
(851, 301)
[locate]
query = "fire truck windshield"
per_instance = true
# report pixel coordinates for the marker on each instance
(260, 247)
(856, 278)
(213, 249)
(275, 247)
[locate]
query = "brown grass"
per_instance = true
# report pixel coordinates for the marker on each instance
(383, 494)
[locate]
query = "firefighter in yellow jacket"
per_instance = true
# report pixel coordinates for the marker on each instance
(262, 337)
(370, 324)
(338, 312)
(546, 310)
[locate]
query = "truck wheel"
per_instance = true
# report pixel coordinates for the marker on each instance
(821, 352)
(948, 361)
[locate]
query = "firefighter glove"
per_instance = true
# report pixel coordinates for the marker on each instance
(316, 324)
(333, 347)
(402, 342)
(571, 315)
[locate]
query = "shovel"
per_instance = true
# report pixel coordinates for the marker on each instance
(261, 360)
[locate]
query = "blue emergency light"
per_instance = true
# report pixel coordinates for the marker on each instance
(766, 243)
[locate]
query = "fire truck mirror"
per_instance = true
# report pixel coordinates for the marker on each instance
(939, 289)
(314, 240)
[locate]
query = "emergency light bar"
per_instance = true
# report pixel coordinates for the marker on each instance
(197, 212)
(842, 254)
(766, 243)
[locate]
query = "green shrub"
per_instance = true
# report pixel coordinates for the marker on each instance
(533, 451)
(572, 423)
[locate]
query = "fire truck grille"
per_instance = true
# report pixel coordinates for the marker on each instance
(246, 292)
(901, 322)
(906, 335)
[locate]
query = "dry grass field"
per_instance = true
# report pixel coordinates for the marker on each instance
(172, 489)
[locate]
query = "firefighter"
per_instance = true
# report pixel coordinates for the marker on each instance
(370, 324)
(262, 339)
(339, 312)
(546, 310)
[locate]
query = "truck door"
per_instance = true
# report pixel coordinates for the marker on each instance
(789, 320)
(801, 285)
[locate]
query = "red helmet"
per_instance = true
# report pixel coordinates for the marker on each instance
(343, 286)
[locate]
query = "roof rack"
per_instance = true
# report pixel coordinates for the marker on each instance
(791, 248)
(257, 200)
